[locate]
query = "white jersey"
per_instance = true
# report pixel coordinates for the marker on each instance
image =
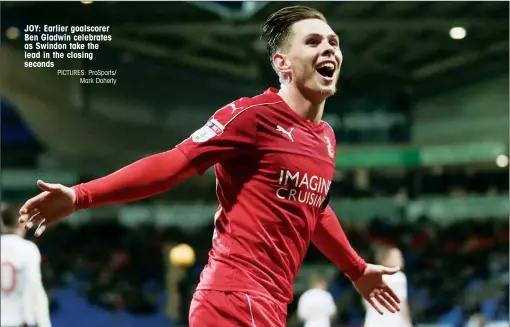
(23, 300)
(397, 282)
(316, 307)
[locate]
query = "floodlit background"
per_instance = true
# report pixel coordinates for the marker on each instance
(421, 121)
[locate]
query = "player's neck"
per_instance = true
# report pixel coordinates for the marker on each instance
(10, 231)
(18, 231)
(301, 104)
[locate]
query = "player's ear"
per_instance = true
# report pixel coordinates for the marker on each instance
(281, 63)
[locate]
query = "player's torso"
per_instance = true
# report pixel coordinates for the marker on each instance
(13, 279)
(316, 305)
(294, 169)
(278, 189)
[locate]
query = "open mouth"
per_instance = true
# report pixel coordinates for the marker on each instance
(326, 70)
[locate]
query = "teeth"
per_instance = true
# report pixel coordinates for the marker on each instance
(328, 65)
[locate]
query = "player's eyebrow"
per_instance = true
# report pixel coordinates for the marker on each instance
(334, 36)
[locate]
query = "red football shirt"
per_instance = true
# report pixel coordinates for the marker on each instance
(273, 170)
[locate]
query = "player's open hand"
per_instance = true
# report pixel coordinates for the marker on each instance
(53, 204)
(374, 289)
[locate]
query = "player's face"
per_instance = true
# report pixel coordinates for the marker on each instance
(315, 57)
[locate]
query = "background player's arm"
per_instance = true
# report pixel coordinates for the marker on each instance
(302, 307)
(401, 291)
(226, 133)
(406, 314)
(329, 237)
(36, 295)
(332, 307)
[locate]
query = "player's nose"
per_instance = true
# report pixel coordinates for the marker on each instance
(327, 50)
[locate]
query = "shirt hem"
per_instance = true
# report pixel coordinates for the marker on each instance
(282, 304)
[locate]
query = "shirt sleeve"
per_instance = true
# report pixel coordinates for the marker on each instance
(303, 307)
(230, 132)
(329, 237)
(36, 299)
(331, 306)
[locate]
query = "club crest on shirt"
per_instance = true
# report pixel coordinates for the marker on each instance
(211, 129)
(331, 152)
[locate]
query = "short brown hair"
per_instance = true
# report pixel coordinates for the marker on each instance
(9, 215)
(381, 253)
(278, 26)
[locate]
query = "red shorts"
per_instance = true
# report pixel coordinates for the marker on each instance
(234, 309)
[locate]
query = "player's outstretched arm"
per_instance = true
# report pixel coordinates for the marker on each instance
(229, 132)
(144, 178)
(36, 297)
(330, 239)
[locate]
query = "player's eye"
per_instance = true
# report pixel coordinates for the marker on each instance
(334, 43)
(313, 42)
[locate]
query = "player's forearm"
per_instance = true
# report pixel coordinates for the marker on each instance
(330, 239)
(43, 311)
(144, 178)
(41, 305)
(406, 314)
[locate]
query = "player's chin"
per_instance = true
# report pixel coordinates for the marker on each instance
(326, 84)
(326, 90)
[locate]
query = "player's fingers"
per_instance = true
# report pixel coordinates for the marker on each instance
(391, 300)
(23, 218)
(40, 228)
(374, 304)
(25, 207)
(385, 303)
(33, 203)
(23, 210)
(30, 206)
(389, 291)
(33, 219)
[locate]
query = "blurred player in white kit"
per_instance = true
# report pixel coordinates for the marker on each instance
(24, 301)
(316, 306)
(390, 257)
